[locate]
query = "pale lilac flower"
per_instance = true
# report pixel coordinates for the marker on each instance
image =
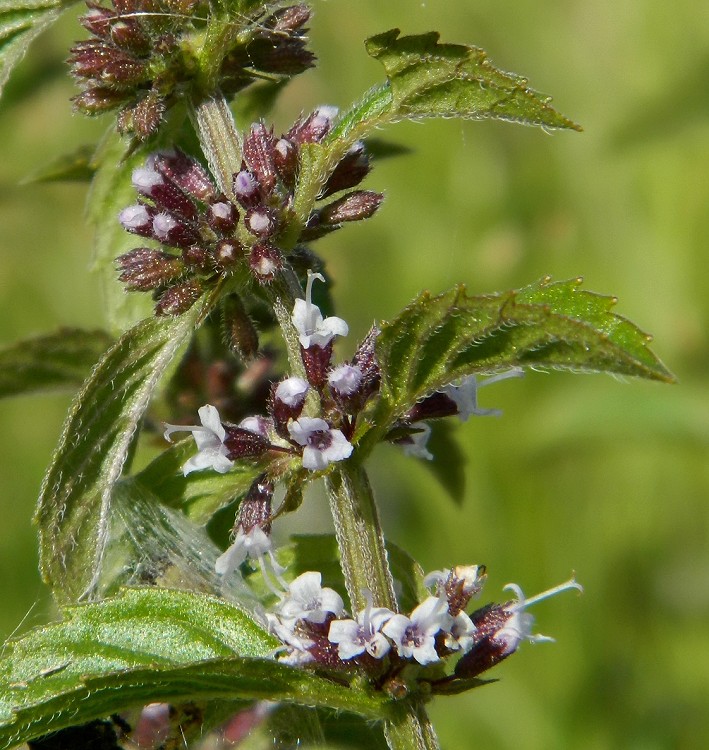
(518, 627)
(134, 217)
(163, 224)
(297, 653)
(415, 636)
(416, 442)
(465, 395)
(354, 637)
(292, 391)
(308, 600)
(322, 445)
(258, 425)
(145, 178)
(209, 436)
(460, 635)
(308, 320)
(345, 379)
(254, 545)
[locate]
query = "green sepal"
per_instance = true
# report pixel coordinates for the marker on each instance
(148, 645)
(73, 510)
(440, 339)
(55, 362)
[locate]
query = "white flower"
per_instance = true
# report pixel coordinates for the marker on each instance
(460, 635)
(297, 654)
(415, 636)
(258, 425)
(255, 544)
(416, 445)
(465, 395)
(163, 224)
(308, 600)
(345, 379)
(321, 444)
(518, 627)
(292, 391)
(134, 217)
(354, 637)
(209, 436)
(308, 320)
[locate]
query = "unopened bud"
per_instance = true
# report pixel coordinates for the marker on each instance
(179, 298)
(261, 221)
(173, 231)
(197, 258)
(365, 359)
(222, 216)
(314, 127)
(349, 172)
(228, 253)
(285, 157)
(265, 261)
(185, 173)
(316, 360)
(287, 401)
(98, 20)
(255, 508)
(281, 56)
(98, 99)
(144, 269)
(239, 330)
(127, 33)
(243, 443)
(138, 219)
(355, 206)
(246, 188)
(290, 19)
(143, 118)
(259, 155)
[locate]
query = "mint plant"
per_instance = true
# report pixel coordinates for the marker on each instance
(207, 233)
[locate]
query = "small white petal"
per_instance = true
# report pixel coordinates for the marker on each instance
(345, 379)
(292, 391)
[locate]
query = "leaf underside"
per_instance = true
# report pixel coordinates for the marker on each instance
(74, 501)
(439, 339)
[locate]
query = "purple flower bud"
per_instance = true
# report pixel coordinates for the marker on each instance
(287, 401)
(246, 188)
(228, 253)
(179, 298)
(127, 33)
(171, 231)
(290, 19)
(222, 216)
(88, 59)
(351, 170)
(138, 219)
(355, 206)
(97, 99)
(239, 330)
(185, 173)
(365, 359)
(285, 158)
(98, 20)
(265, 261)
(144, 117)
(255, 508)
(345, 380)
(241, 443)
(144, 269)
(261, 221)
(316, 360)
(197, 258)
(122, 71)
(259, 155)
(281, 56)
(314, 127)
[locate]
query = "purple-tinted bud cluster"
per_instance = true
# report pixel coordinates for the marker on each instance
(142, 55)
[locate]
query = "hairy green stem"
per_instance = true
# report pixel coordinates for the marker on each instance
(410, 729)
(359, 537)
(218, 138)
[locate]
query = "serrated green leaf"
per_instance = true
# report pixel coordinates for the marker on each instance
(199, 494)
(439, 339)
(21, 21)
(426, 79)
(430, 79)
(149, 645)
(54, 362)
(74, 501)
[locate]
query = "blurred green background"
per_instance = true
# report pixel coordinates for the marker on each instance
(607, 478)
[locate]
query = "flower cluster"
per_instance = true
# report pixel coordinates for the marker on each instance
(143, 53)
(310, 621)
(206, 235)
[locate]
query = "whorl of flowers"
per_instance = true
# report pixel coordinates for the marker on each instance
(144, 54)
(205, 235)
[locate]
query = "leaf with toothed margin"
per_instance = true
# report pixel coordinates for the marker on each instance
(425, 79)
(148, 645)
(21, 21)
(440, 339)
(74, 502)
